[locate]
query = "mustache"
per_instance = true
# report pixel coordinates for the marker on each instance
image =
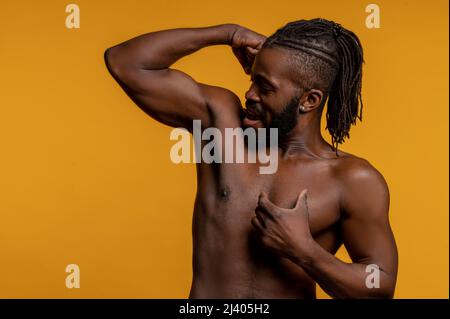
(249, 103)
(253, 107)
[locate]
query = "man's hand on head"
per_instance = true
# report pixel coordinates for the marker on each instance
(246, 44)
(281, 230)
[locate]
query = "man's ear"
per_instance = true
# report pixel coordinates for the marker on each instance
(310, 100)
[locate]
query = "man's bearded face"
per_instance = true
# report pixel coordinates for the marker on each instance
(284, 121)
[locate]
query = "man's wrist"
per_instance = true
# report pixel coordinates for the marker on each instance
(230, 29)
(304, 252)
(217, 35)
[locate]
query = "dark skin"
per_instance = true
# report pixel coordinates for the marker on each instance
(265, 236)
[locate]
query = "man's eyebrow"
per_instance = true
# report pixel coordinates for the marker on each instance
(260, 77)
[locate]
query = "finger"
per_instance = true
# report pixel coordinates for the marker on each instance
(302, 200)
(257, 41)
(257, 225)
(260, 44)
(260, 219)
(251, 55)
(248, 60)
(266, 204)
(240, 55)
(263, 215)
(251, 51)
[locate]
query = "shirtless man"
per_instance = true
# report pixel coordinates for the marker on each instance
(273, 235)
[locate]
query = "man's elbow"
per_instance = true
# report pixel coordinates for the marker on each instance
(384, 291)
(382, 294)
(113, 63)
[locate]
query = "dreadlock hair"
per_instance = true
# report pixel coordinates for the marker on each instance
(331, 58)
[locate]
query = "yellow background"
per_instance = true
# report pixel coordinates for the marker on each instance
(86, 177)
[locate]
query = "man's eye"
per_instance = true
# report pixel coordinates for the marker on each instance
(264, 90)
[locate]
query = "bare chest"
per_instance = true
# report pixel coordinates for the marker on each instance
(231, 196)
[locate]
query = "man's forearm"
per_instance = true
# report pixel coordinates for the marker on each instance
(340, 279)
(160, 49)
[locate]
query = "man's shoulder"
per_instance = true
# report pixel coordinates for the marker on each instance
(362, 188)
(354, 171)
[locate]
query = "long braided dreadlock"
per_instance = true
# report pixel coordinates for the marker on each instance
(331, 58)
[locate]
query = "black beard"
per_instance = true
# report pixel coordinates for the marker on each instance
(286, 120)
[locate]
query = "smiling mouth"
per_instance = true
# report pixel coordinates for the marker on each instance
(252, 113)
(252, 116)
(252, 119)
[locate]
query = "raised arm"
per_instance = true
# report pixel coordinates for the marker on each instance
(142, 67)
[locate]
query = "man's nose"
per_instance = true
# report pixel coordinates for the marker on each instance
(251, 95)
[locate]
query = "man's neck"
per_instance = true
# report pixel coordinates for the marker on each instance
(305, 140)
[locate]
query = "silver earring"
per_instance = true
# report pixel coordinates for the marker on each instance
(302, 108)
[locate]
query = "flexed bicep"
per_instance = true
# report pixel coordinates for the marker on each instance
(169, 96)
(142, 66)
